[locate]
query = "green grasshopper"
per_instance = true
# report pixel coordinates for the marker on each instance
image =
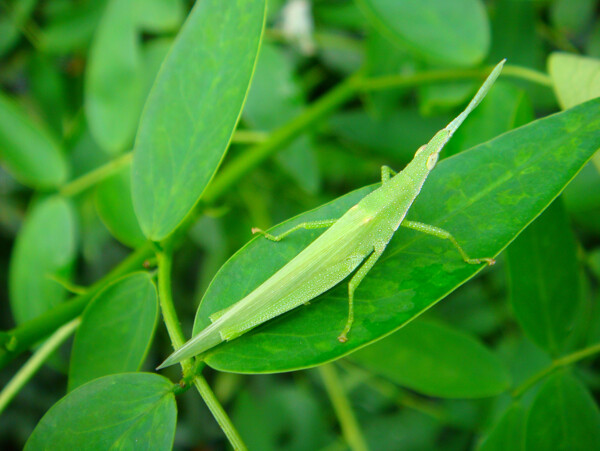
(355, 240)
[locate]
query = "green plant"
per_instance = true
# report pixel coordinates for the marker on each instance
(105, 238)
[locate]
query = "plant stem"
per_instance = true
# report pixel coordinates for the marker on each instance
(219, 413)
(343, 409)
(251, 158)
(249, 137)
(165, 264)
(35, 362)
(26, 335)
(434, 76)
(96, 176)
(556, 364)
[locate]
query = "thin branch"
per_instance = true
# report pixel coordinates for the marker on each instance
(35, 362)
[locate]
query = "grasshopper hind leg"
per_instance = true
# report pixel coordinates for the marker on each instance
(445, 235)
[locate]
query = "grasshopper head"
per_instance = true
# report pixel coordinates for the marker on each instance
(427, 155)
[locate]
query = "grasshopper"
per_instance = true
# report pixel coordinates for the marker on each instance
(354, 242)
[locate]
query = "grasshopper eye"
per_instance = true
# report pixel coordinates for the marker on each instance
(432, 160)
(420, 149)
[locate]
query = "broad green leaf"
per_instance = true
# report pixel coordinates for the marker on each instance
(454, 33)
(563, 417)
(544, 279)
(344, 15)
(504, 108)
(116, 330)
(514, 34)
(572, 16)
(193, 109)
(396, 136)
(49, 89)
(274, 99)
(437, 98)
(402, 429)
(28, 151)
(118, 412)
(13, 16)
(280, 416)
(436, 360)
(45, 248)
(72, 29)
(524, 358)
(114, 79)
(154, 53)
(383, 57)
(515, 37)
(485, 196)
(592, 46)
(508, 433)
(576, 78)
(160, 16)
(113, 201)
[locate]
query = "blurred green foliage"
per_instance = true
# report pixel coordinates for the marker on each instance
(339, 88)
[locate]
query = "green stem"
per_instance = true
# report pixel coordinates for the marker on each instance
(251, 158)
(249, 137)
(26, 335)
(556, 364)
(35, 362)
(165, 264)
(403, 397)
(219, 413)
(435, 76)
(343, 409)
(96, 176)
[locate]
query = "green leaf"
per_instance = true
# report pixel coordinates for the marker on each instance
(544, 279)
(45, 247)
(563, 417)
(504, 108)
(122, 411)
(116, 330)
(576, 78)
(115, 207)
(14, 15)
(28, 151)
(395, 136)
(114, 79)
(48, 87)
(274, 99)
(508, 433)
(280, 410)
(485, 196)
(436, 360)
(454, 33)
(72, 29)
(572, 16)
(193, 109)
(384, 57)
(160, 16)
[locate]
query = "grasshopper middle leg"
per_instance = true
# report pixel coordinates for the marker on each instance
(303, 225)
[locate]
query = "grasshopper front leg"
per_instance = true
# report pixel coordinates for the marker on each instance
(386, 174)
(303, 225)
(445, 235)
